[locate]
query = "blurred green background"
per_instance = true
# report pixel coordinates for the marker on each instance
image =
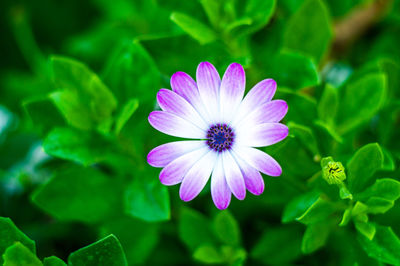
(79, 78)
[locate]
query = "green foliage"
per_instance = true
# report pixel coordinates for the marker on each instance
(53, 261)
(18, 254)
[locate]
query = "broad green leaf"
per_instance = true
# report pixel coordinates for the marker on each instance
(309, 30)
(329, 130)
(359, 209)
(362, 167)
(385, 246)
(127, 110)
(18, 254)
(82, 97)
(53, 261)
(194, 229)
(80, 194)
(328, 104)
(226, 228)
(147, 199)
(106, 251)
(138, 238)
(378, 205)
(361, 100)
(80, 146)
(196, 29)
(366, 229)
(318, 211)
(293, 70)
(386, 188)
(131, 74)
(269, 248)
(315, 236)
(260, 13)
(208, 254)
(306, 137)
(298, 206)
(9, 234)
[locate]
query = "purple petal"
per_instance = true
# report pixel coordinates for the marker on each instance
(197, 177)
(174, 172)
(259, 160)
(233, 176)
(252, 178)
(174, 125)
(166, 153)
(261, 93)
(262, 134)
(220, 192)
(173, 103)
(232, 90)
(208, 82)
(185, 86)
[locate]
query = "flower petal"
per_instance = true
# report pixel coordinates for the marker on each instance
(220, 192)
(269, 112)
(197, 177)
(259, 160)
(174, 103)
(208, 82)
(261, 93)
(174, 172)
(233, 176)
(185, 86)
(252, 178)
(262, 134)
(174, 125)
(164, 154)
(232, 90)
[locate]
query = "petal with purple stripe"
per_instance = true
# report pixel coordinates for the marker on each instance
(233, 176)
(220, 192)
(262, 134)
(252, 178)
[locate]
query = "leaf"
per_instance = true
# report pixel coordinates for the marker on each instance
(315, 237)
(208, 254)
(194, 229)
(385, 246)
(329, 130)
(359, 209)
(346, 217)
(226, 228)
(127, 110)
(82, 97)
(196, 29)
(9, 234)
(260, 13)
(378, 205)
(18, 254)
(361, 100)
(106, 251)
(213, 11)
(53, 261)
(147, 200)
(361, 168)
(386, 188)
(298, 206)
(328, 104)
(318, 211)
(79, 146)
(366, 229)
(388, 161)
(79, 194)
(305, 135)
(309, 30)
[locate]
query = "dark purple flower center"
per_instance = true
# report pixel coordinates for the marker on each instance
(220, 137)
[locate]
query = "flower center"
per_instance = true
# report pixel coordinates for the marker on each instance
(220, 137)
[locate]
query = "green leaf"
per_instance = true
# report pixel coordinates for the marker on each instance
(208, 254)
(194, 229)
(366, 229)
(329, 130)
(127, 110)
(18, 254)
(226, 228)
(328, 104)
(362, 167)
(388, 161)
(131, 74)
(260, 13)
(318, 211)
(305, 135)
(293, 70)
(53, 261)
(79, 194)
(196, 29)
(359, 209)
(385, 246)
(346, 217)
(82, 97)
(213, 11)
(358, 106)
(315, 237)
(298, 206)
(309, 30)
(378, 205)
(9, 234)
(148, 200)
(106, 251)
(78, 146)
(386, 188)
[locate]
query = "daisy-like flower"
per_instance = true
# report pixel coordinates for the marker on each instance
(227, 128)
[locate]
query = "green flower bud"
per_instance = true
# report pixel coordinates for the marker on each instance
(332, 172)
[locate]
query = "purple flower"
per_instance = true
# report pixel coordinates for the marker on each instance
(227, 128)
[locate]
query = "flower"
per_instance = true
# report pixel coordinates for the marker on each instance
(227, 128)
